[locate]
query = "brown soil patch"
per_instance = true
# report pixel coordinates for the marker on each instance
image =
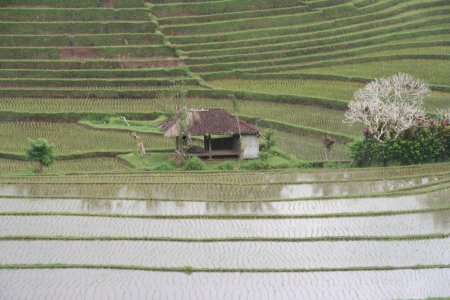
(107, 3)
(161, 63)
(78, 52)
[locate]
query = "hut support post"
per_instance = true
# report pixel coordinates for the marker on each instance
(209, 146)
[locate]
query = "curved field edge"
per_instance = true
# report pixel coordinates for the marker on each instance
(189, 269)
(227, 239)
(236, 216)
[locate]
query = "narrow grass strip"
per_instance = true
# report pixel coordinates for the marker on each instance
(229, 239)
(236, 216)
(190, 269)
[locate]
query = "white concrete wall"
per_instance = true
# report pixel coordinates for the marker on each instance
(250, 145)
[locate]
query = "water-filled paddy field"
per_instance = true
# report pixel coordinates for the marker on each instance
(432, 200)
(78, 283)
(350, 232)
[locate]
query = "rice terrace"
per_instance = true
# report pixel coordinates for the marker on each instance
(224, 149)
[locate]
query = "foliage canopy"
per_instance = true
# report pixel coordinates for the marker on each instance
(41, 151)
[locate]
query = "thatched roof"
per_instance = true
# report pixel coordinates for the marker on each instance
(209, 121)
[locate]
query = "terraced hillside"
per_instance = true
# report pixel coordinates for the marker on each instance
(293, 65)
(95, 225)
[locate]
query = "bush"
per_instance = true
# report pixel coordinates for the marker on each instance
(194, 164)
(269, 142)
(255, 165)
(304, 165)
(165, 166)
(430, 143)
(225, 166)
(264, 156)
(284, 165)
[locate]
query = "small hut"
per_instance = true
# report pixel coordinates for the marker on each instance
(224, 135)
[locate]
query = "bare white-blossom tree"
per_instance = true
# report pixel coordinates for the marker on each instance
(389, 105)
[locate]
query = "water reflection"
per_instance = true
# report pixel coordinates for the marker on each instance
(120, 206)
(441, 220)
(208, 192)
(14, 190)
(348, 188)
(239, 208)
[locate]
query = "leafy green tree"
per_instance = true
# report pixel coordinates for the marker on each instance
(41, 151)
(269, 141)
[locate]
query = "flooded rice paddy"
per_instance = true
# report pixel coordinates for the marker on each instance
(230, 255)
(115, 284)
(292, 233)
(432, 200)
(396, 225)
(210, 192)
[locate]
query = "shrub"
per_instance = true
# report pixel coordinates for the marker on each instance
(304, 165)
(269, 141)
(255, 165)
(429, 143)
(194, 164)
(225, 166)
(283, 165)
(264, 156)
(165, 166)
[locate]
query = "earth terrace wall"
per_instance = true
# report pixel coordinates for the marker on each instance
(93, 73)
(231, 16)
(103, 51)
(87, 64)
(291, 63)
(254, 23)
(366, 38)
(72, 14)
(94, 82)
(217, 7)
(325, 52)
(365, 21)
(71, 4)
(359, 30)
(80, 40)
(45, 28)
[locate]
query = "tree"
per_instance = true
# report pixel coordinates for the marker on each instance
(184, 119)
(269, 140)
(41, 151)
(389, 106)
(328, 143)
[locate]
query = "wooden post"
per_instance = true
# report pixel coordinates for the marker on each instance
(209, 146)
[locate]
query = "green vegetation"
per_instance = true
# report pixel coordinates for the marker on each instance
(62, 135)
(188, 268)
(418, 145)
(194, 164)
(289, 66)
(97, 79)
(421, 68)
(313, 88)
(41, 151)
(75, 165)
(219, 240)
